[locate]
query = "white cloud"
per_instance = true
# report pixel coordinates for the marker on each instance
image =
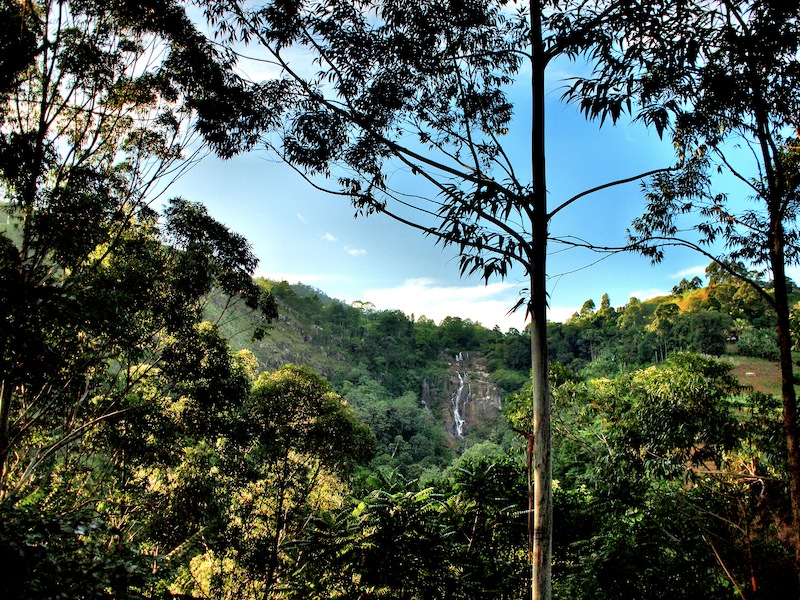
(301, 218)
(698, 271)
(487, 304)
(561, 313)
(354, 251)
(330, 238)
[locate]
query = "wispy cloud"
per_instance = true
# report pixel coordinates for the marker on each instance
(301, 218)
(330, 238)
(485, 304)
(561, 313)
(698, 271)
(354, 251)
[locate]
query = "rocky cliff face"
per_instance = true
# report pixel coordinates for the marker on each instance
(465, 397)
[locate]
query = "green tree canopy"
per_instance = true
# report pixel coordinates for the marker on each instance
(96, 120)
(716, 77)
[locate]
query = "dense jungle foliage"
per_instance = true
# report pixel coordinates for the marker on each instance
(240, 479)
(172, 427)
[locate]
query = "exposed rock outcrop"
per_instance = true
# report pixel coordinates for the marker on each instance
(465, 396)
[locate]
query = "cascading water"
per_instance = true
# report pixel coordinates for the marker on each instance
(459, 400)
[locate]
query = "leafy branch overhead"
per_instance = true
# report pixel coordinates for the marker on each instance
(405, 107)
(97, 122)
(721, 79)
(397, 88)
(141, 456)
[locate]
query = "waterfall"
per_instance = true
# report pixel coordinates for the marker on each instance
(459, 400)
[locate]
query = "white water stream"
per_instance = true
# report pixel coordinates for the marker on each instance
(459, 400)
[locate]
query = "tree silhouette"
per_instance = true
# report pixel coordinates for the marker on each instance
(97, 107)
(724, 86)
(361, 91)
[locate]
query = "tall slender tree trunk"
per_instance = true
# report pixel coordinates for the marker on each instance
(542, 465)
(778, 186)
(788, 394)
(541, 583)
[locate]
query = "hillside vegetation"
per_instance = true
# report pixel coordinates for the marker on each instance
(337, 430)
(172, 427)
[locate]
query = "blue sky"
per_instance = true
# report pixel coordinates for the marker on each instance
(303, 235)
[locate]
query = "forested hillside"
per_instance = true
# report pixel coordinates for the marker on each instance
(660, 413)
(242, 462)
(396, 356)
